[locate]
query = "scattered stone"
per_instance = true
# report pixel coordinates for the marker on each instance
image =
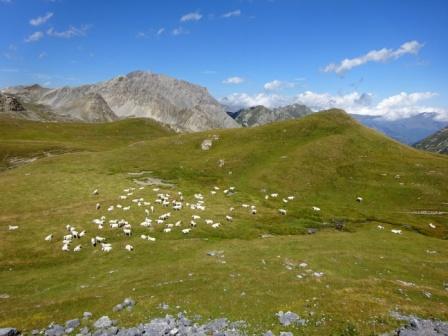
(164, 306)
(420, 327)
(55, 330)
(206, 144)
(84, 331)
(311, 231)
(286, 333)
(8, 332)
(87, 315)
(103, 322)
(289, 318)
(72, 323)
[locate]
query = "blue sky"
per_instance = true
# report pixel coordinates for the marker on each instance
(244, 51)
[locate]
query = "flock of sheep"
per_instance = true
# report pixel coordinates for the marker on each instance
(166, 202)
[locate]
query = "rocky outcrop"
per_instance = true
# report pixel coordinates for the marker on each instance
(260, 115)
(438, 142)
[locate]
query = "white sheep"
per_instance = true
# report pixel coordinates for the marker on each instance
(77, 248)
(380, 227)
(95, 192)
(178, 223)
(282, 212)
(65, 248)
(129, 248)
(291, 198)
(285, 200)
(193, 223)
(208, 221)
(315, 208)
(98, 206)
(13, 227)
(229, 218)
(274, 195)
(151, 238)
(185, 231)
(82, 233)
(396, 231)
(49, 237)
(195, 217)
(359, 199)
(100, 239)
(245, 205)
(432, 226)
(166, 230)
(216, 225)
(254, 211)
(127, 232)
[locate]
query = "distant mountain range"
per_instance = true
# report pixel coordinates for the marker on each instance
(181, 105)
(437, 142)
(407, 130)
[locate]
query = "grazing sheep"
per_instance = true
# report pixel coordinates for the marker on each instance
(229, 218)
(144, 236)
(208, 221)
(159, 221)
(216, 225)
(126, 208)
(185, 231)
(274, 195)
(195, 217)
(380, 227)
(77, 248)
(127, 232)
(193, 223)
(93, 241)
(166, 230)
(13, 227)
(285, 200)
(49, 237)
(111, 208)
(98, 206)
(432, 226)
(396, 231)
(213, 192)
(65, 248)
(359, 199)
(316, 208)
(129, 248)
(291, 198)
(95, 192)
(245, 205)
(68, 237)
(170, 225)
(152, 208)
(231, 209)
(106, 247)
(282, 212)
(151, 238)
(100, 239)
(254, 211)
(178, 223)
(266, 197)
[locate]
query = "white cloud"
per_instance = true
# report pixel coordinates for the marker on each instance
(41, 19)
(160, 31)
(70, 32)
(179, 31)
(43, 54)
(34, 37)
(233, 80)
(398, 106)
(232, 14)
(382, 55)
(193, 16)
(238, 101)
(277, 85)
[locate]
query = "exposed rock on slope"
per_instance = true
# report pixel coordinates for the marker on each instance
(182, 105)
(438, 142)
(260, 115)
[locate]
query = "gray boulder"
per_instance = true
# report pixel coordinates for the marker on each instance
(103, 322)
(8, 332)
(55, 330)
(289, 318)
(72, 323)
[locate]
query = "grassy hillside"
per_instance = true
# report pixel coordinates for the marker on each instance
(324, 160)
(27, 139)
